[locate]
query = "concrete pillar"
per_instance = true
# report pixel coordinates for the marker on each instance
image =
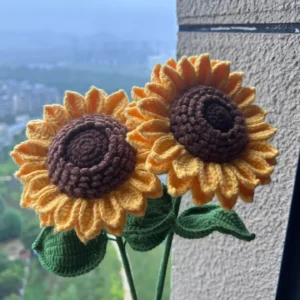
(219, 266)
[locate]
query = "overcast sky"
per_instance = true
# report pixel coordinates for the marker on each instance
(145, 19)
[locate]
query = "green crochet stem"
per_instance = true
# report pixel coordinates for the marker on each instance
(164, 264)
(126, 266)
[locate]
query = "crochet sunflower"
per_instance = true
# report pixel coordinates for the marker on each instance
(199, 125)
(78, 170)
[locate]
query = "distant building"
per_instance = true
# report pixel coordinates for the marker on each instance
(24, 98)
(5, 137)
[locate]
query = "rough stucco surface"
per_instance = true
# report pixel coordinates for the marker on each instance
(219, 266)
(236, 11)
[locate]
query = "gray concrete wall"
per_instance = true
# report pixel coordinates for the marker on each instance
(222, 267)
(237, 11)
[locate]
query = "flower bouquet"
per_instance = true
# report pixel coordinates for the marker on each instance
(90, 167)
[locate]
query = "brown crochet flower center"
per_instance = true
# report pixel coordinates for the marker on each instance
(90, 157)
(208, 124)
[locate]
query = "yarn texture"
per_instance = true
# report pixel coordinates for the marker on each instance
(198, 124)
(90, 167)
(78, 170)
(90, 157)
(208, 125)
(65, 255)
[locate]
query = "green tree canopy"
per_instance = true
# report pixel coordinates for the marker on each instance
(10, 225)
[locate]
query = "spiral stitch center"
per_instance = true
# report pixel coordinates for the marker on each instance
(208, 124)
(90, 157)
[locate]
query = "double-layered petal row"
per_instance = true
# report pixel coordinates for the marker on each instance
(78, 170)
(197, 123)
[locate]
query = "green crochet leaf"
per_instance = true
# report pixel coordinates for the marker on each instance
(198, 222)
(65, 255)
(147, 232)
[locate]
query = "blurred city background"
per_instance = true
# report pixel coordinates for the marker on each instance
(48, 47)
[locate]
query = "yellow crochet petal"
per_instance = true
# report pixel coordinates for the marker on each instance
(244, 173)
(214, 62)
(219, 74)
(66, 213)
(271, 161)
(165, 148)
(30, 151)
(28, 170)
(155, 75)
(172, 63)
(89, 219)
(157, 192)
(203, 69)
(80, 234)
(138, 93)
(260, 131)
(172, 80)
(187, 72)
(137, 140)
(226, 203)
(116, 103)
(145, 181)
(246, 194)
(177, 186)
(94, 101)
(46, 220)
(134, 118)
(48, 200)
(158, 91)
(26, 202)
(112, 213)
(153, 108)
(74, 104)
(131, 199)
(37, 190)
(56, 115)
(228, 184)
(263, 149)
(193, 59)
(254, 114)
(209, 176)
(37, 183)
(186, 165)
(96, 224)
(198, 196)
(158, 167)
(263, 180)
(234, 83)
(141, 157)
(154, 129)
(244, 96)
(257, 164)
(40, 130)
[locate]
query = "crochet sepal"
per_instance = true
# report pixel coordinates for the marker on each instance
(198, 222)
(147, 232)
(65, 255)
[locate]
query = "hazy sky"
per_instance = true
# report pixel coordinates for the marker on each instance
(146, 19)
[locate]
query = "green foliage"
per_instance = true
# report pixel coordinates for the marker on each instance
(2, 207)
(147, 232)
(11, 276)
(8, 168)
(30, 230)
(13, 297)
(102, 283)
(198, 222)
(4, 262)
(65, 255)
(10, 225)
